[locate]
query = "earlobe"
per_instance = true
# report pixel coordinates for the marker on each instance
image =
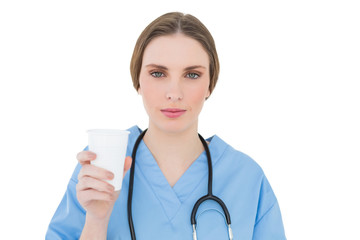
(208, 94)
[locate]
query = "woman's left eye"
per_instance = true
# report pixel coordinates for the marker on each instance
(193, 75)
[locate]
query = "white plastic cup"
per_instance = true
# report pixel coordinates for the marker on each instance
(110, 146)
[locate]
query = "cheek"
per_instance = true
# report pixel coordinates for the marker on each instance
(201, 91)
(198, 96)
(149, 92)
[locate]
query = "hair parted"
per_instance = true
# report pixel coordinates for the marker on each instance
(172, 23)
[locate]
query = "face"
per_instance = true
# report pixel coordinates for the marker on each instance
(174, 82)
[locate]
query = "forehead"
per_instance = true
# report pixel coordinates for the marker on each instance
(175, 50)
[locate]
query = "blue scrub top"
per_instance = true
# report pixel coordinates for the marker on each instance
(163, 212)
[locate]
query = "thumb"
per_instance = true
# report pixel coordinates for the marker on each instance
(127, 165)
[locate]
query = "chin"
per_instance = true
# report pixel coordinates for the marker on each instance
(175, 126)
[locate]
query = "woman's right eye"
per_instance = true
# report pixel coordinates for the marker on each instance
(157, 74)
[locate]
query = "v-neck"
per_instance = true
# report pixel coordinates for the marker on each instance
(171, 198)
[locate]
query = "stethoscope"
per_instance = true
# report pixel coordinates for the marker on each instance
(208, 196)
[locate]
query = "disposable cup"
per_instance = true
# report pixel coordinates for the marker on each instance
(110, 146)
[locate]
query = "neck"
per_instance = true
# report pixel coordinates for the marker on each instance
(174, 152)
(171, 139)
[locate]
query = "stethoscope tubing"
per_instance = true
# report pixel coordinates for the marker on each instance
(131, 185)
(208, 196)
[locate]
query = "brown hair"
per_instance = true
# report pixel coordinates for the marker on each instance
(171, 23)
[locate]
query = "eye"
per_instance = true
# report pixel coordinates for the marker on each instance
(193, 75)
(157, 74)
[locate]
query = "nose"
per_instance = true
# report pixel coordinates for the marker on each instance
(174, 92)
(174, 96)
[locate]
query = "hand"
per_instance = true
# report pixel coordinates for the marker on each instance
(96, 195)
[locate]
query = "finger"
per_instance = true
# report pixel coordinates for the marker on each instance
(95, 172)
(93, 183)
(85, 157)
(91, 194)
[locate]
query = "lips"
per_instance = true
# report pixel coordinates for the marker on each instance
(173, 112)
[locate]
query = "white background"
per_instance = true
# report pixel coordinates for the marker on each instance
(288, 96)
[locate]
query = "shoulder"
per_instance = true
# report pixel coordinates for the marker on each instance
(244, 170)
(239, 171)
(234, 160)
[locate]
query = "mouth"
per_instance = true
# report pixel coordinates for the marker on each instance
(173, 112)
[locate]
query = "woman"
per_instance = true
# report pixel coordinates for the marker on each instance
(174, 68)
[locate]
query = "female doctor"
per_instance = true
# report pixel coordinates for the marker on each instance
(174, 68)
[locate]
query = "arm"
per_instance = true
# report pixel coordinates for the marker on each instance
(69, 218)
(88, 202)
(269, 225)
(94, 228)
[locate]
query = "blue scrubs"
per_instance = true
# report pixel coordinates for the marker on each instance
(163, 212)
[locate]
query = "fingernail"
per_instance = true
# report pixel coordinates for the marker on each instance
(92, 155)
(110, 175)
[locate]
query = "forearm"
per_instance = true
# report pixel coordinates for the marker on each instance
(94, 229)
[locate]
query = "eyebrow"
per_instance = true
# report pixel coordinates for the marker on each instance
(165, 68)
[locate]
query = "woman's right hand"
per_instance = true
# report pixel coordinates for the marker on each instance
(94, 194)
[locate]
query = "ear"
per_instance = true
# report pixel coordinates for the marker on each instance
(139, 91)
(207, 94)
